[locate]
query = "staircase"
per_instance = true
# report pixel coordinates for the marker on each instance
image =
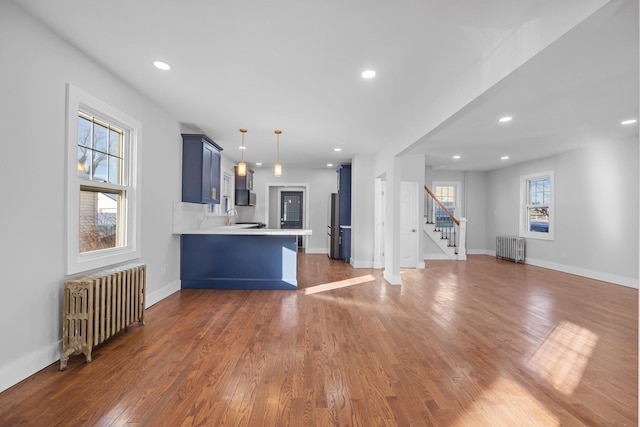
(446, 231)
(449, 251)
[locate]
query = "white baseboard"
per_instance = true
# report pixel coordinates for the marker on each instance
(24, 366)
(162, 293)
(616, 279)
(393, 280)
(316, 251)
(630, 282)
(478, 252)
(361, 264)
(433, 257)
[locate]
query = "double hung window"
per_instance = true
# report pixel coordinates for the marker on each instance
(536, 213)
(102, 190)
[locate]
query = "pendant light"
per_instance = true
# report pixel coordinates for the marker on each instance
(278, 168)
(242, 166)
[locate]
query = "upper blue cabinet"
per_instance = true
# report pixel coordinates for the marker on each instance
(200, 169)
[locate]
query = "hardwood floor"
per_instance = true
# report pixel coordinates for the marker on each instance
(476, 343)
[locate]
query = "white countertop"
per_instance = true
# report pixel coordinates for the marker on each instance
(244, 230)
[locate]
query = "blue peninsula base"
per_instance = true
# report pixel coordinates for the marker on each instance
(224, 261)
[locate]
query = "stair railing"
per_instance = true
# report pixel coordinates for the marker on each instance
(451, 229)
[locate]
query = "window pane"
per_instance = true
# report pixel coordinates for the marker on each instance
(99, 165)
(540, 191)
(84, 163)
(539, 220)
(445, 193)
(100, 138)
(114, 143)
(114, 170)
(98, 220)
(292, 208)
(84, 132)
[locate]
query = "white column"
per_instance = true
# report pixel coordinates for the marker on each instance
(462, 240)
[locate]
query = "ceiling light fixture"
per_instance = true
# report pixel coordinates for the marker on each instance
(242, 166)
(161, 65)
(628, 122)
(258, 163)
(505, 119)
(329, 165)
(368, 74)
(278, 167)
(337, 149)
(504, 158)
(456, 156)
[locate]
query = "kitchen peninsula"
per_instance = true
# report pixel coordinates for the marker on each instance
(239, 257)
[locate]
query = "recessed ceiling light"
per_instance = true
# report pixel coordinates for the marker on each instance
(505, 119)
(504, 158)
(456, 156)
(258, 163)
(329, 165)
(242, 147)
(337, 149)
(161, 65)
(368, 74)
(628, 122)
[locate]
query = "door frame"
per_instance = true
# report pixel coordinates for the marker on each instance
(288, 186)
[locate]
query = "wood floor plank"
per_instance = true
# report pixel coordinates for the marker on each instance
(483, 342)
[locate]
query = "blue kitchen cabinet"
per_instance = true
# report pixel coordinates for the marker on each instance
(234, 261)
(345, 243)
(200, 169)
(344, 194)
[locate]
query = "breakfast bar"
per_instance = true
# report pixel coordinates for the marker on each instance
(237, 257)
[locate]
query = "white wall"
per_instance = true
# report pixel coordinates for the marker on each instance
(474, 202)
(596, 208)
(32, 152)
(320, 182)
(413, 170)
(362, 211)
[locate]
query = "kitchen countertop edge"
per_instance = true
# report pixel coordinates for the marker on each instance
(248, 231)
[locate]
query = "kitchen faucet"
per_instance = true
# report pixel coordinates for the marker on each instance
(229, 212)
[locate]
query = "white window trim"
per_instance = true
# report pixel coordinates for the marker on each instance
(76, 262)
(524, 190)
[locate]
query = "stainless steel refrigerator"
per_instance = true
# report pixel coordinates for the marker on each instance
(333, 227)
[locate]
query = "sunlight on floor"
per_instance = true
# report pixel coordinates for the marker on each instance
(501, 404)
(337, 285)
(563, 356)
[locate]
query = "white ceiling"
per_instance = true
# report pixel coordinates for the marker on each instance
(574, 93)
(295, 66)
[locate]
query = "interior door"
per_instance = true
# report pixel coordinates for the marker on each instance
(408, 224)
(291, 211)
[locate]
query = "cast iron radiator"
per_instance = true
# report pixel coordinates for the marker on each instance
(99, 305)
(508, 247)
